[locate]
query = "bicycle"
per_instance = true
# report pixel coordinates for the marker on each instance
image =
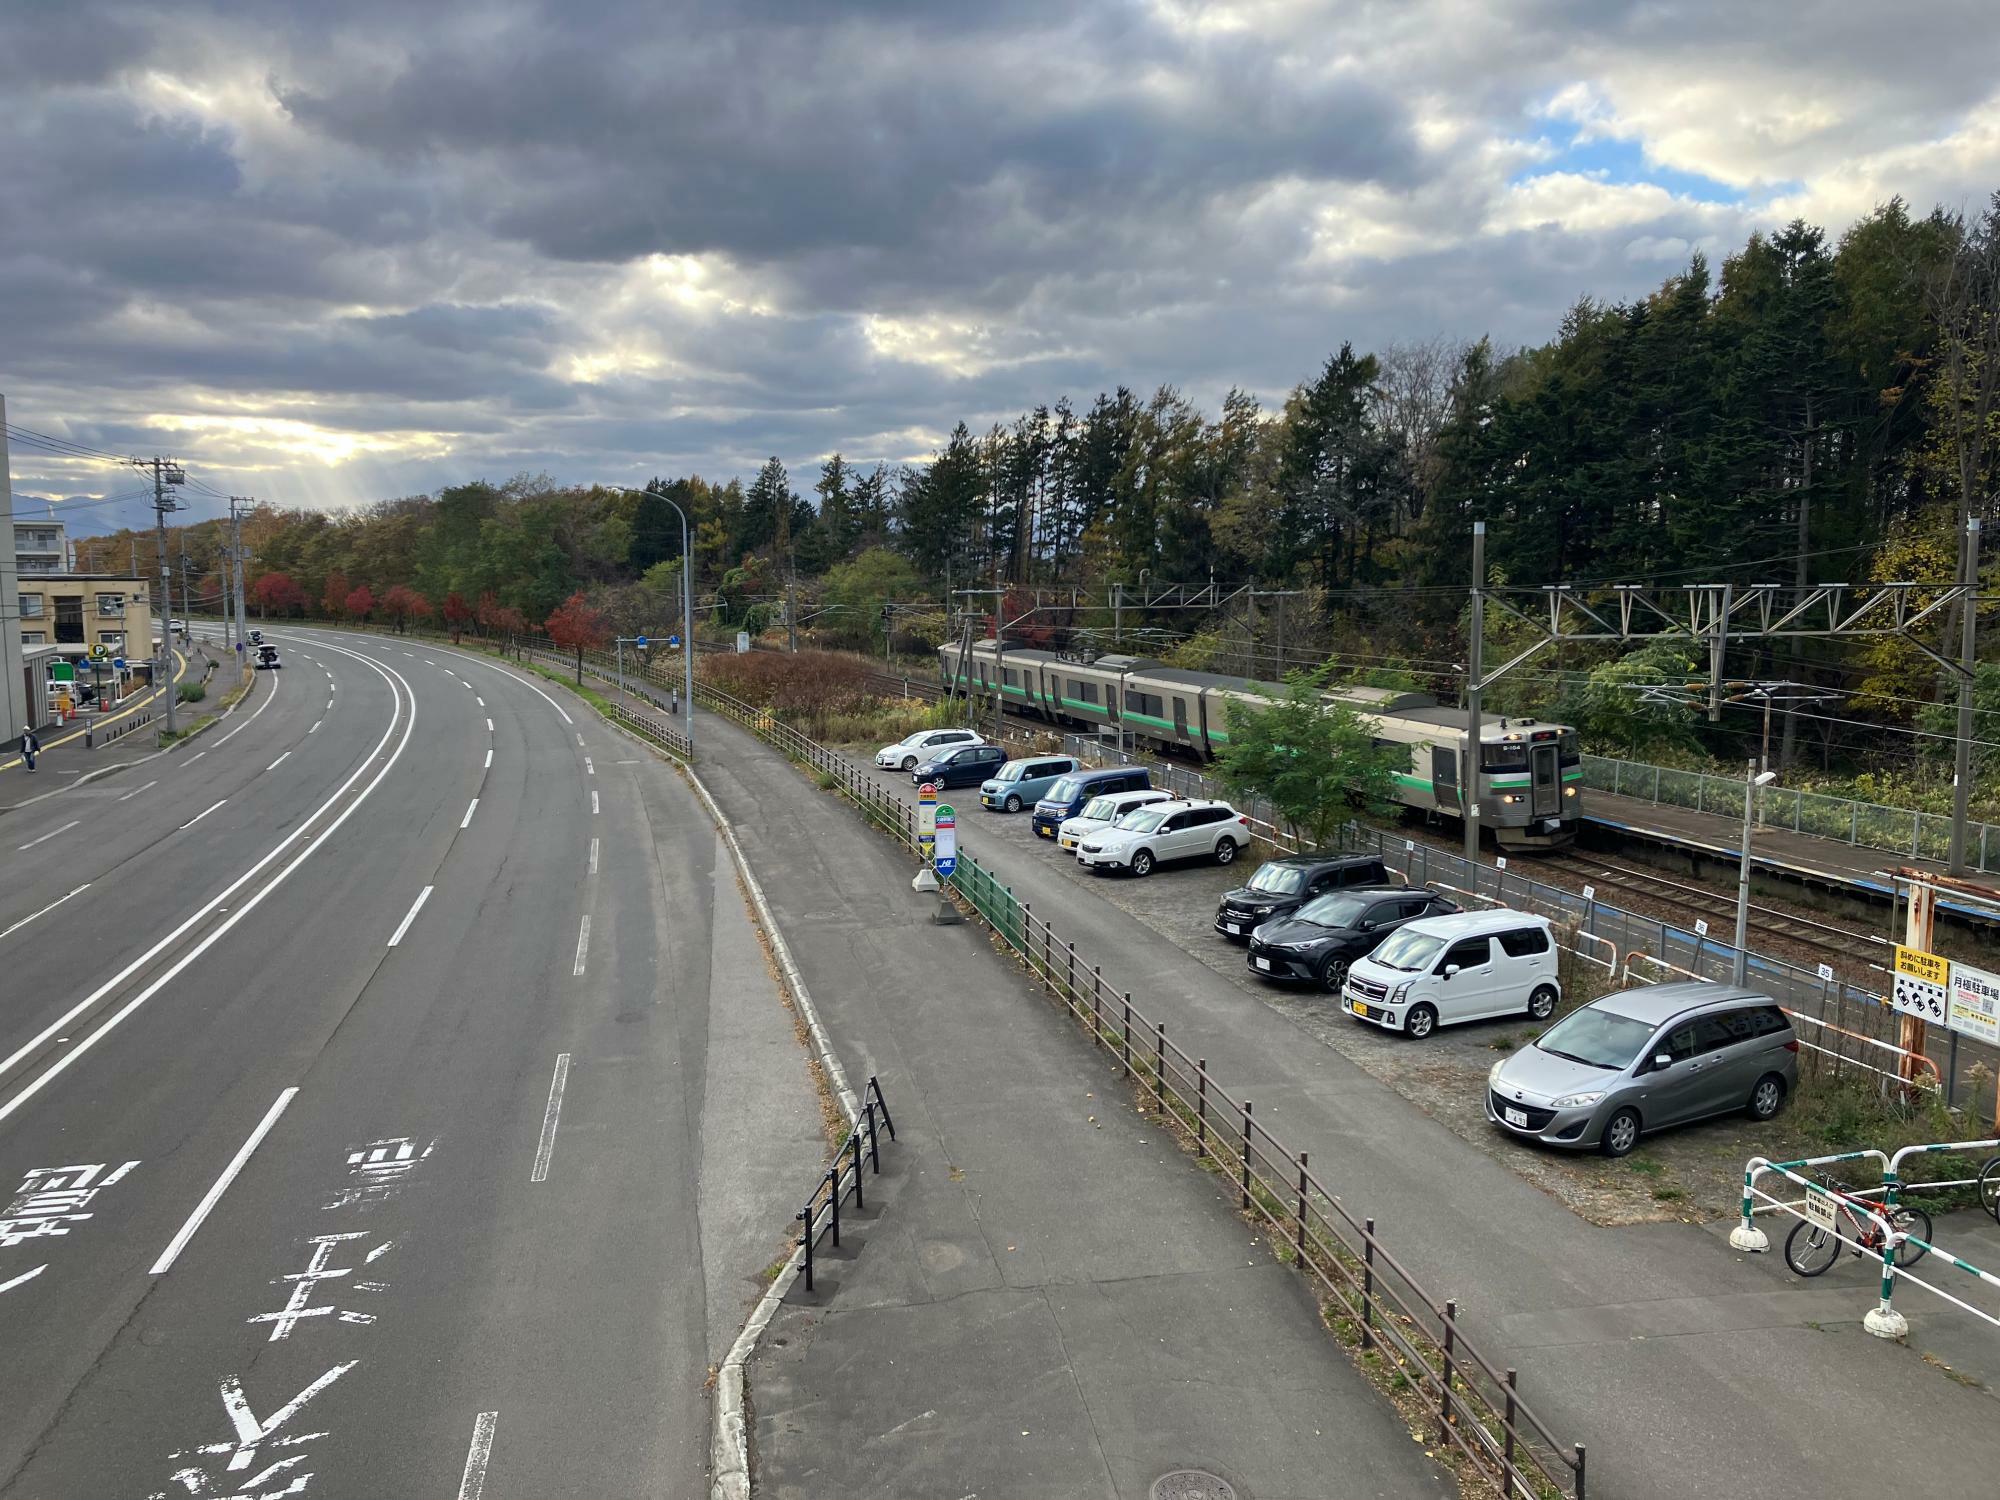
(1989, 1188)
(1812, 1248)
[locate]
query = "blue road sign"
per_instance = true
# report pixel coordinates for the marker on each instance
(673, 640)
(118, 663)
(640, 642)
(946, 863)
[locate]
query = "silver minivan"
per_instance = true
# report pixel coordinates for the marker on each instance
(1643, 1060)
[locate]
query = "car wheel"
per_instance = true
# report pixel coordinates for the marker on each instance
(1542, 1003)
(1334, 975)
(1420, 1022)
(1225, 851)
(1767, 1098)
(1621, 1133)
(1142, 862)
(1013, 804)
(909, 763)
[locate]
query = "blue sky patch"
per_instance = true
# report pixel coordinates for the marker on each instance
(1622, 161)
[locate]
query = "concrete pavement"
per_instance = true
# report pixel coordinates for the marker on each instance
(1044, 1298)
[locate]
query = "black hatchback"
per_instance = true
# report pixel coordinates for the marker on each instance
(960, 765)
(1281, 886)
(1317, 943)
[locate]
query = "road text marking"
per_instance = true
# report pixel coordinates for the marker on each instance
(201, 1209)
(415, 907)
(550, 1118)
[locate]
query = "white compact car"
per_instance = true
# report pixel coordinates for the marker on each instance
(913, 750)
(1101, 812)
(1438, 971)
(1167, 831)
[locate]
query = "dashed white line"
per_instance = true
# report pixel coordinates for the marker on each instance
(200, 815)
(86, 886)
(551, 1117)
(593, 866)
(8, 1286)
(315, 728)
(589, 766)
(331, 685)
(279, 761)
(481, 701)
(329, 705)
(489, 758)
(582, 945)
(474, 1481)
(52, 833)
(138, 789)
(593, 804)
(196, 756)
(489, 726)
(466, 821)
(214, 1195)
(579, 742)
(410, 916)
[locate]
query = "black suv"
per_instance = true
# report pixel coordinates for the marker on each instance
(1281, 886)
(1317, 943)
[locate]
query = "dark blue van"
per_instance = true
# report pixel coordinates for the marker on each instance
(1067, 797)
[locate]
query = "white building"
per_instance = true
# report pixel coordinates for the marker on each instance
(40, 547)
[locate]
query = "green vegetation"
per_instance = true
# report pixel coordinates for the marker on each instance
(1312, 759)
(192, 692)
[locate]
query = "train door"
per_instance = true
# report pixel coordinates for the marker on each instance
(1180, 720)
(1444, 777)
(1547, 791)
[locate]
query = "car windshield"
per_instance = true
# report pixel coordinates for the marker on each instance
(1278, 880)
(1064, 790)
(1601, 1038)
(1104, 809)
(1143, 820)
(1334, 911)
(1012, 771)
(1408, 950)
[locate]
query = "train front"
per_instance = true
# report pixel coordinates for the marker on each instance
(1531, 784)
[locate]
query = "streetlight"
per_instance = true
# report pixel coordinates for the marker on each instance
(687, 605)
(1752, 780)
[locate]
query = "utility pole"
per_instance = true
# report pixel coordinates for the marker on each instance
(16, 712)
(1118, 614)
(1968, 631)
(792, 615)
(166, 475)
(187, 599)
(237, 559)
(1468, 771)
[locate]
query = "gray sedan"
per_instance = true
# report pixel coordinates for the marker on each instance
(1645, 1059)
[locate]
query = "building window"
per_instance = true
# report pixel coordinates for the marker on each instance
(31, 606)
(115, 639)
(111, 604)
(34, 638)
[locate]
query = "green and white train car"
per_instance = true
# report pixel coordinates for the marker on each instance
(1530, 777)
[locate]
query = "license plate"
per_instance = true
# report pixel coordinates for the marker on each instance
(1069, 843)
(1264, 964)
(1232, 926)
(1044, 833)
(1360, 1010)
(1515, 1117)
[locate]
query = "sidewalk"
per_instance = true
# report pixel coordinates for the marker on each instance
(1045, 1297)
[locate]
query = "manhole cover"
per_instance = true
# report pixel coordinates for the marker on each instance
(1191, 1484)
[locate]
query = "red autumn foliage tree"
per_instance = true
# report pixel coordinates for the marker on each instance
(578, 627)
(276, 591)
(456, 613)
(361, 602)
(334, 600)
(402, 603)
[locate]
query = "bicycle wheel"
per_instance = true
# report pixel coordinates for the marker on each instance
(1911, 1221)
(1811, 1249)
(1989, 1188)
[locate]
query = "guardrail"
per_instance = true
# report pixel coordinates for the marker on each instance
(1472, 1405)
(1866, 825)
(844, 1179)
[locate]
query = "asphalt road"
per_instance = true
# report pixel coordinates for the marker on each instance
(393, 1100)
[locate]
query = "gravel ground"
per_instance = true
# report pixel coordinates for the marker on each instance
(1693, 1174)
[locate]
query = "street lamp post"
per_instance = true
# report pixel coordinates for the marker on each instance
(687, 606)
(1753, 779)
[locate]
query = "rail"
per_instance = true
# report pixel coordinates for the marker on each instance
(844, 1179)
(1865, 825)
(1471, 1404)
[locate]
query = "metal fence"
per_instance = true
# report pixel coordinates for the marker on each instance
(1372, 1298)
(1867, 825)
(820, 1217)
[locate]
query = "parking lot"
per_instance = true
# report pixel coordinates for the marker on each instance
(1691, 1173)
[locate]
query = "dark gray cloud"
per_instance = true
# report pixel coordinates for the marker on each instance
(360, 247)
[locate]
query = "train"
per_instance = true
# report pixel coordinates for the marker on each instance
(1530, 778)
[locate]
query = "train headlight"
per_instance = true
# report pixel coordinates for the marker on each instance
(1509, 797)
(1569, 791)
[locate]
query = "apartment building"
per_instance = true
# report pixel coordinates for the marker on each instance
(76, 611)
(40, 547)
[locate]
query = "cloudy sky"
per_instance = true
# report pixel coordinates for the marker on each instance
(335, 251)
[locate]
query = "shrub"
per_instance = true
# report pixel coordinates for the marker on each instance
(193, 692)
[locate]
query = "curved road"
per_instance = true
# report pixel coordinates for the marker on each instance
(359, 1132)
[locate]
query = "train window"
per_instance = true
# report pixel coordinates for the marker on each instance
(1009, 676)
(1505, 756)
(1083, 692)
(1571, 748)
(1149, 704)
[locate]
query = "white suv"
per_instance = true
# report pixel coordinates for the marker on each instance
(1167, 831)
(1437, 971)
(1100, 813)
(913, 750)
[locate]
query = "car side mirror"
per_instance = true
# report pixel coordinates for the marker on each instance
(1449, 970)
(1662, 1060)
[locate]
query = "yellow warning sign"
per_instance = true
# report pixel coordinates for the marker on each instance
(1921, 965)
(1923, 984)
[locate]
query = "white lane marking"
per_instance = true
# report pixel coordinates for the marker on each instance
(489, 757)
(489, 726)
(579, 742)
(589, 766)
(329, 705)
(550, 1118)
(415, 907)
(279, 761)
(474, 1481)
(52, 833)
(138, 789)
(200, 815)
(593, 869)
(329, 675)
(593, 804)
(86, 886)
(411, 654)
(331, 685)
(582, 945)
(315, 728)
(8, 1286)
(466, 821)
(630, 763)
(214, 1195)
(479, 700)
(272, 679)
(196, 756)
(83, 1006)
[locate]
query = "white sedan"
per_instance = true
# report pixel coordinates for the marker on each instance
(1142, 840)
(1102, 812)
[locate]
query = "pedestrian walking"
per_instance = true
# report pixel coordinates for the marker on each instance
(30, 748)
